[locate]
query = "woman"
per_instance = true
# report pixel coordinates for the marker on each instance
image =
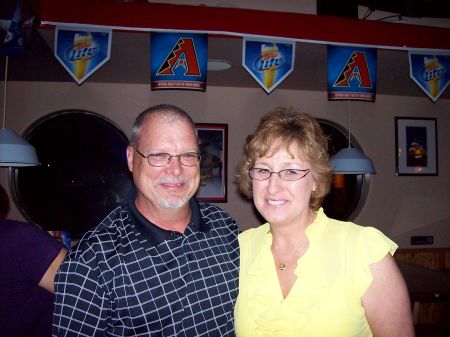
(302, 273)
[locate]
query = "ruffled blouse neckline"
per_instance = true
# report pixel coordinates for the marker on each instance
(269, 308)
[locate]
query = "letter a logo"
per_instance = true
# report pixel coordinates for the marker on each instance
(355, 69)
(352, 73)
(178, 61)
(183, 55)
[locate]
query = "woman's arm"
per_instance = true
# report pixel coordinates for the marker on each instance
(386, 301)
(48, 280)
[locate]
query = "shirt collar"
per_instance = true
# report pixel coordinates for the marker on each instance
(157, 235)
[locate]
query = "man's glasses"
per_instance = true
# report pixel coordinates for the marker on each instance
(163, 159)
(287, 174)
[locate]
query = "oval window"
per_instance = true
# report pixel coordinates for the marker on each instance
(348, 191)
(82, 176)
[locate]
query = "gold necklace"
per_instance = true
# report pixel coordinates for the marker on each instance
(281, 265)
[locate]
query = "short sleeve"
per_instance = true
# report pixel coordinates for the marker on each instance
(36, 251)
(82, 306)
(371, 247)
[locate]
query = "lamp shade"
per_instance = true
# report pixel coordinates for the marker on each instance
(351, 161)
(16, 151)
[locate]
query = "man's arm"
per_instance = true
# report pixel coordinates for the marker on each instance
(48, 280)
(82, 307)
(386, 301)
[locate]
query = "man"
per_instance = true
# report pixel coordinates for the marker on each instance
(29, 258)
(160, 264)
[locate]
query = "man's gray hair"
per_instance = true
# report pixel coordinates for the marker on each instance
(168, 112)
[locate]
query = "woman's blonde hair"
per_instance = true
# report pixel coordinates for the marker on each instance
(289, 129)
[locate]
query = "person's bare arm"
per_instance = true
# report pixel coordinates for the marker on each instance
(48, 280)
(386, 301)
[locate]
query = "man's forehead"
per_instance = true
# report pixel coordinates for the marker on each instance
(160, 130)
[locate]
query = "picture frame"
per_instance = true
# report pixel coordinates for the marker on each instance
(416, 150)
(213, 145)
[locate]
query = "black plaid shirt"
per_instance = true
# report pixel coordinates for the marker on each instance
(128, 277)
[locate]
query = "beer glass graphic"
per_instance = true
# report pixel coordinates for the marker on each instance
(81, 60)
(432, 74)
(269, 52)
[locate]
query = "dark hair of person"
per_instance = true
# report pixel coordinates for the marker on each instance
(4, 203)
(169, 113)
(289, 129)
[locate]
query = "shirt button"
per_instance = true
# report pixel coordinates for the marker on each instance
(190, 257)
(173, 233)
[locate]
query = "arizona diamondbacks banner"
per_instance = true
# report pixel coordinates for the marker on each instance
(431, 72)
(82, 52)
(352, 73)
(269, 62)
(178, 61)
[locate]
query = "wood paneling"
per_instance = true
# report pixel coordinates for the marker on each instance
(433, 258)
(430, 313)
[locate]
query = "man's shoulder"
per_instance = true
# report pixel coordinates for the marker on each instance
(217, 218)
(215, 213)
(105, 235)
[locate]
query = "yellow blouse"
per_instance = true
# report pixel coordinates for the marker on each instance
(332, 277)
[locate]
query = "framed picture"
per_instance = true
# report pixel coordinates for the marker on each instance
(213, 141)
(416, 146)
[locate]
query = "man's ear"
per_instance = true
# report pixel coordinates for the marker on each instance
(130, 156)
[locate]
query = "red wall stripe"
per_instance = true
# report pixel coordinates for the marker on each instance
(232, 21)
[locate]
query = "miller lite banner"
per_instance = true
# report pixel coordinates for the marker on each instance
(82, 52)
(352, 73)
(269, 62)
(178, 61)
(431, 72)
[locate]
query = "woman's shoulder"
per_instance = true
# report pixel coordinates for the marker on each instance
(251, 240)
(352, 231)
(360, 241)
(344, 228)
(254, 234)
(252, 243)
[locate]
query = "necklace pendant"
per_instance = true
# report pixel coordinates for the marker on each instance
(282, 266)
